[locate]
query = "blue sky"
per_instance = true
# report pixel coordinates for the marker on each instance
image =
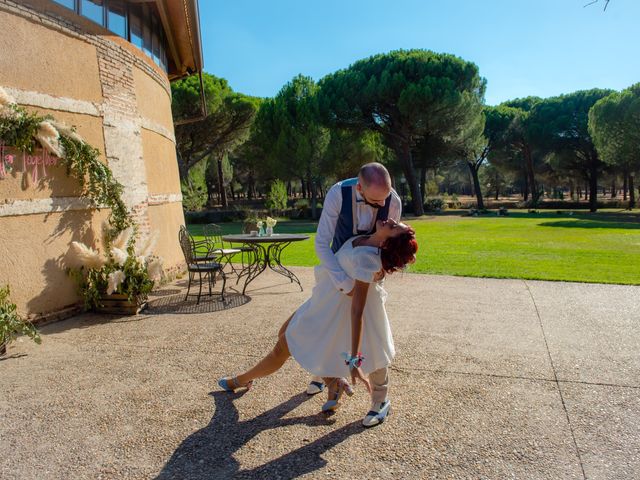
(522, 47)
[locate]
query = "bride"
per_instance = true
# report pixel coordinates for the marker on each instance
(322, 340)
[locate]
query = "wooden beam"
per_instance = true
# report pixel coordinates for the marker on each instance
(164, 18)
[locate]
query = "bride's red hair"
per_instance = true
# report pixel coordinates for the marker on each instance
(398, 251)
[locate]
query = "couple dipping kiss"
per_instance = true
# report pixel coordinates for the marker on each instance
(342, 331)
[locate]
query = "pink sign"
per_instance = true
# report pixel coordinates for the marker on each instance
(31, 163)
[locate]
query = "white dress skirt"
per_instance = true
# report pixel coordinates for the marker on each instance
(320, 330)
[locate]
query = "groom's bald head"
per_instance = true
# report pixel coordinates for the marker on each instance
(374, 174)
(374, 184)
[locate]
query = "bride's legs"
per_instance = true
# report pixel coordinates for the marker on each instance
(272, 362)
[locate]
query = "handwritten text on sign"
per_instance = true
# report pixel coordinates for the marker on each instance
(34, 164)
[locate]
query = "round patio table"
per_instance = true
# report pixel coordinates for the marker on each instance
(266, 253)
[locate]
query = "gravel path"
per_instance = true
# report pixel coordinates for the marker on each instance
(493, 379)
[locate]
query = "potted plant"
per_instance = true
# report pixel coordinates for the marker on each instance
(120, 279)
(250, 222)
(12, 324)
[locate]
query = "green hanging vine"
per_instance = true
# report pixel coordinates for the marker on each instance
(24, 131)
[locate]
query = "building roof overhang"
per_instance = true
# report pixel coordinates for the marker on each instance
(181, 23)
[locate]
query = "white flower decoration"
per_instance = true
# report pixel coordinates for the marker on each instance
(119, 256)
(115, 280)
(87, 256)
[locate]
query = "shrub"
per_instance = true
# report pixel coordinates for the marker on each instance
(11, 324)
(277, 196)
(434, 205)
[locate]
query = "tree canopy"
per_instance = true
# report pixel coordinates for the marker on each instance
(614, 126)
(403, 95)
(560, 124)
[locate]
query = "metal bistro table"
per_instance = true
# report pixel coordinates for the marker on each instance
(266, 252)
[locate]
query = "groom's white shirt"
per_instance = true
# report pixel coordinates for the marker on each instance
(327, 227)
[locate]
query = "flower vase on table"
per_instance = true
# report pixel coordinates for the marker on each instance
(271, 222)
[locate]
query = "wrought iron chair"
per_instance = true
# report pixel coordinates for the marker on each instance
(221, 252)
(199, 263)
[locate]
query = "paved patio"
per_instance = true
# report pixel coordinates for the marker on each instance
(493, 379)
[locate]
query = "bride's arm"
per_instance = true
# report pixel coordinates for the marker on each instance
(358, 302)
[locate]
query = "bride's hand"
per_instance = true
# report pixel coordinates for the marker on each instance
(378, 276)
(357, 375)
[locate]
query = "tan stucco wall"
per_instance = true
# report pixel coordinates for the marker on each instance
(49, 61)
(121, 106)
(161, 164)
(153, 101)
(166, 220)
(33, 257)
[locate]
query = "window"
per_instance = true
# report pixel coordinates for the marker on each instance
(117, 17)
(146, 31)
(67, 3)
(93, 10)
(157, 39)
(135, 26)
(137, 23)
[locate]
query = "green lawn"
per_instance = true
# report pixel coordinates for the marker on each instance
(603, 247)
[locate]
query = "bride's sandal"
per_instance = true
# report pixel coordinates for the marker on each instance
(341, 386)
(231, 384)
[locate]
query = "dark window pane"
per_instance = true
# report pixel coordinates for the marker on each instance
(117, 18)
(67, 3)
(157, 39)
(93, 9)
(135, 24)
(163, 54)
(146, 28)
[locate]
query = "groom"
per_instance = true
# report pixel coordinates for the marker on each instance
(352, 208)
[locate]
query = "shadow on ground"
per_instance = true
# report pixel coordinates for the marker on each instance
(176, 303)
(592, 223)
(208, 453)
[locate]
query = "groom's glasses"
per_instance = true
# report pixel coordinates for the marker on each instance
(370, 202)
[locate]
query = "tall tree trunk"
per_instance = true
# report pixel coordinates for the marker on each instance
(423, 184)
(625, 185)
(403, 153)
(303, 188)
(250, 187)
(473, 170)
(593, 190)
(525, 187)
(632, 193)
(533, 188)
(613, 188)
(183, 171)
(313, 195)
(221, 189)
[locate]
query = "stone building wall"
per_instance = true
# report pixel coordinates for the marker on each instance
(119, 101)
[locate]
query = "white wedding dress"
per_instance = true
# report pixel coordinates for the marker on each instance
(320, 330)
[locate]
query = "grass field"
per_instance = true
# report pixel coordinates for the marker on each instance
(602, 247)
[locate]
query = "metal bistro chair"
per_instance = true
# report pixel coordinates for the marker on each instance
(221, 252)
(199, 264)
